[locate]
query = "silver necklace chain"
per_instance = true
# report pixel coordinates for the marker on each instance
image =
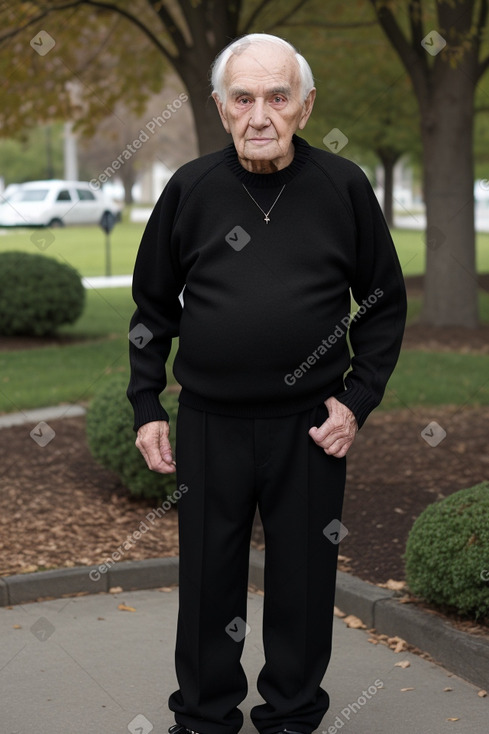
(267, 218)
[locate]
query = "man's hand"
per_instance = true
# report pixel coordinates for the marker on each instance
(154, 444)
(337, 432)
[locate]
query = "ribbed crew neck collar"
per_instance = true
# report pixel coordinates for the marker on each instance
(269, 180)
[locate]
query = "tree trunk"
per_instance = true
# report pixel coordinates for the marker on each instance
(128, 177)
(450, 289)
(388, 159)
(193, 66)
(210, 133)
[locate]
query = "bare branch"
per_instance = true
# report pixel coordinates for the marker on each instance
(93, 56)
(256, 12)
(281, 21)
(133, 19)
(333, 26)
(98, 4)
(414, 63)
(189, 12)
(15, 31)
(416, 22)
(481, 25)
(482, 67)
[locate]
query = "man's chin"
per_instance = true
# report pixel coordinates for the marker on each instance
(266, 150)
(264, 158)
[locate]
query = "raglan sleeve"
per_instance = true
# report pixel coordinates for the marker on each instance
(377, 286)
(157, 285)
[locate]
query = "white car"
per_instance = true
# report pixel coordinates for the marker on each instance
(54, 204)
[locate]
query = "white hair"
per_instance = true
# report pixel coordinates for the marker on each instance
(218, 69)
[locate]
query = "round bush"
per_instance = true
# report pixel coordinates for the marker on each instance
(37, 294)
(111, 440)
(447, 552)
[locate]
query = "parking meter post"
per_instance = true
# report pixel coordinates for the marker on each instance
(107, 255)
(107, 223)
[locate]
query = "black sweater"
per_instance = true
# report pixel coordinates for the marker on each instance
(266, 306)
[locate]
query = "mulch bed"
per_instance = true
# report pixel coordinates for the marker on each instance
(58, 508)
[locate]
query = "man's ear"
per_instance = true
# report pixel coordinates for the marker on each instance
(307, 108)
(222, 112)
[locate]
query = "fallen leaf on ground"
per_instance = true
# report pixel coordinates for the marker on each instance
(406, 689)
(397, 644)
(354, 622)
(482, 694)
(393, 585)
(402, 664)
(166, 588)
(453, 718)
(19, 627)
(125, 608)
(339, 613)
(115, 589)
(448, 689)
(406, 600)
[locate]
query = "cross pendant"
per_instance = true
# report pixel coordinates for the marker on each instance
(267, 219)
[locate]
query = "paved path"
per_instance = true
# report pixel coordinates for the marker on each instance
(81, 666)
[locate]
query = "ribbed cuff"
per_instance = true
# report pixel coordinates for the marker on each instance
(359, 401)
(147, 408)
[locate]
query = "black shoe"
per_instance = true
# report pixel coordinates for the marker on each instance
(180, 729)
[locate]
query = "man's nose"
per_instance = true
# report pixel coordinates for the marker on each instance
(259, 117)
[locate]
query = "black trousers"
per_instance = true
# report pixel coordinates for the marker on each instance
(231, 466)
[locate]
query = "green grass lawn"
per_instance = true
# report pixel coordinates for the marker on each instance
(34, 378)
(50, 375)
(84, 248)
(438, 378)
(411, 249)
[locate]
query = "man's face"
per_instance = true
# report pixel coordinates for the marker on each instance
(264, 106)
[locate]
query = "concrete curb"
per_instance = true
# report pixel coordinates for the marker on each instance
(107, 281)
(41, 414)
(130, 575)
(459, 652)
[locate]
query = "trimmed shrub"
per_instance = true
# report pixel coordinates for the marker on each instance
(447, 552)
(111, 440)
(37, 294)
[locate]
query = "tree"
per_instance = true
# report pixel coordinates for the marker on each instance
(183, 34)
(169, 140)
(371, 102)
(38, 155)
(443, 54)
(72, 64)
(439, 42)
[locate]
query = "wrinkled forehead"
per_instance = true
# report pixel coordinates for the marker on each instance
(262, 66)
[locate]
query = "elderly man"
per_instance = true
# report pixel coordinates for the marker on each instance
(269, 237)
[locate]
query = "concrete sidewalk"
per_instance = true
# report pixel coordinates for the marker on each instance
(82, 666)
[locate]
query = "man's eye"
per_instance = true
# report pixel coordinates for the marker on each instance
(278, 99)
(244, 101)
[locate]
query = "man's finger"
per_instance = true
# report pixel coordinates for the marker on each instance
(165, 445)
(153, 442)
(338, 448)
(156, 462)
